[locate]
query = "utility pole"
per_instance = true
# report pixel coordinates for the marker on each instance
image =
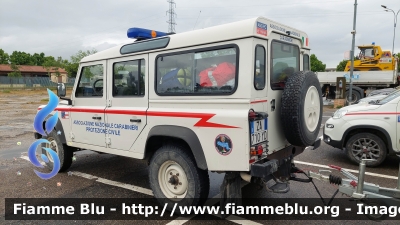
(172, 15)
(352, 53)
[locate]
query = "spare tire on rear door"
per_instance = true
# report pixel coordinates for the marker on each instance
(301, 108)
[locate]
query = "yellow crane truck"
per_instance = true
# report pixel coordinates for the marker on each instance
(372, 58)
(373, 69)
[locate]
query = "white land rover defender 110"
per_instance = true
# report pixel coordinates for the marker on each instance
(236, 98)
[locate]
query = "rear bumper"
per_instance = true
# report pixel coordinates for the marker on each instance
(278, 162)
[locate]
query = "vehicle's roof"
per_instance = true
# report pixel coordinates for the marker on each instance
(367, 46)
(230, 31)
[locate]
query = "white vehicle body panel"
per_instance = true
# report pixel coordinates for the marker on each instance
(361, 77)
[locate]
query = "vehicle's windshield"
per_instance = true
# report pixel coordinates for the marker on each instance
(389, 98)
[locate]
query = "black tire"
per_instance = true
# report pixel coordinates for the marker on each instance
(197, 182)
(361, 139)
(64, 152)
(356, 96)
(360, 91)
(297, 130)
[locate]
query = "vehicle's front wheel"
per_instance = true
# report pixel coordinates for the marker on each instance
(64, 152)
(175, 178)
(366, 146)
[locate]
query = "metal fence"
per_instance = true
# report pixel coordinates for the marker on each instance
(30, 82)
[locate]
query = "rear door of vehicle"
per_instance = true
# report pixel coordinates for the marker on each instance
(127, 100)
(259, 100)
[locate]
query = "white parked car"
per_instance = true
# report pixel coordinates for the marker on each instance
(366, 131)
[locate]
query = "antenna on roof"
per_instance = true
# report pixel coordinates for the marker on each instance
(197, 20)
(172, 16)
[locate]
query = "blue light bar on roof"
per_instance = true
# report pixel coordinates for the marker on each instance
(140, 33)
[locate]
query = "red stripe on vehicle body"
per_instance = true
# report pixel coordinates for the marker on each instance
(259, 101)
(203, 122)
(204, 117)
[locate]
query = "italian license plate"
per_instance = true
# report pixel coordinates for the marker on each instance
(258, 130)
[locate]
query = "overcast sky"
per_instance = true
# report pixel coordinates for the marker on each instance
(63, 27)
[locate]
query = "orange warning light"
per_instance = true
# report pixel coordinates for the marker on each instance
(153, 34)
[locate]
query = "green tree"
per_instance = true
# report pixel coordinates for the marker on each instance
(72, 67)
(316, 65)
(15, 72)
(21, 58)
(53, 65)
(398, 62)
(4, 57)
(38, 59)
(342, 65)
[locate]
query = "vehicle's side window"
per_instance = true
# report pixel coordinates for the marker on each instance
(197, 72)
(285, 59)
(90, 82)
(128, 78)
(306, 62)
(259, 68)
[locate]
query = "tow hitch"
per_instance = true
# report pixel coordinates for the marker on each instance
(359, 190)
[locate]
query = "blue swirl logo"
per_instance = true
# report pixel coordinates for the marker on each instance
(50, 124)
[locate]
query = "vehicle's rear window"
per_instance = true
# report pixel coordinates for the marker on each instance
(285, 60)
(259, 68)
(306, 62)
(210, 71)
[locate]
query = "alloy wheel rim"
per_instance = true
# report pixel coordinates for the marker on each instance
(365, 148)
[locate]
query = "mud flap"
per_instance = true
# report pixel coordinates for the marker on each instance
(231, 191)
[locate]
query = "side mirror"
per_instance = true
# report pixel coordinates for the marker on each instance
(61, 90)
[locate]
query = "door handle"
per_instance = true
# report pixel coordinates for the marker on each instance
(136, 120)
(96, 118)
(273, 105)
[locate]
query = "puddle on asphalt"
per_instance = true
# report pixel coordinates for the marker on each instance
(5, 127)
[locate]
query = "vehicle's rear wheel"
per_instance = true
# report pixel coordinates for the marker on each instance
(301, 110)
(175, 178)
(356, 96)
(366, 146)
(64, 152)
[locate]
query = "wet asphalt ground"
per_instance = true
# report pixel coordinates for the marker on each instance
(108, 176)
